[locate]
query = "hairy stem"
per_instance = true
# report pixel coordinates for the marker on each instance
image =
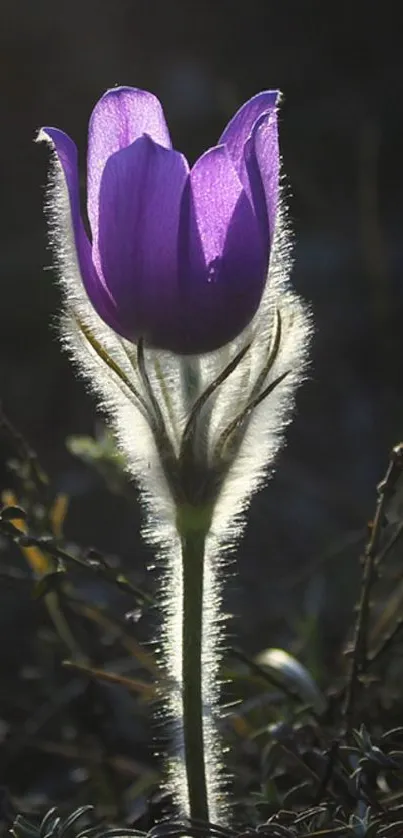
(193, 540)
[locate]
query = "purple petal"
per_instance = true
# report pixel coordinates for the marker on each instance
(261, 168)
(121, 116)
(136, 248)
(222, 261)
(240, 127)
(66, 152)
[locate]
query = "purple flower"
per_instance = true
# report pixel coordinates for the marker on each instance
(179, 255)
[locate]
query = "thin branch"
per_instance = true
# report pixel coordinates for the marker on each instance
(359, 652)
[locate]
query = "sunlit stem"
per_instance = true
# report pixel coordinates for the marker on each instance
(193, 526)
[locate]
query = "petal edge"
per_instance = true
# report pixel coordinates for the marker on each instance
(120, 116)
(239, 128)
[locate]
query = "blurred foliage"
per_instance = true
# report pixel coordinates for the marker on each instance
(314, 749)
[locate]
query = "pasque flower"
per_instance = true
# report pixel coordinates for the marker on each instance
(179, 255)
(181, 317)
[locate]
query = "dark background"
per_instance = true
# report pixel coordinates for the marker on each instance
(340, 68)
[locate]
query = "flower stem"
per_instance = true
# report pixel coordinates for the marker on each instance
(193, 538)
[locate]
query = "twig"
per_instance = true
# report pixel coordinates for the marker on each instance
(123, 764)
(96, 565)
(26, 453)
(147, 690)
(359, 653)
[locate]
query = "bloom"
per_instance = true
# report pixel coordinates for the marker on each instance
(196, 262)
(179, 255)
